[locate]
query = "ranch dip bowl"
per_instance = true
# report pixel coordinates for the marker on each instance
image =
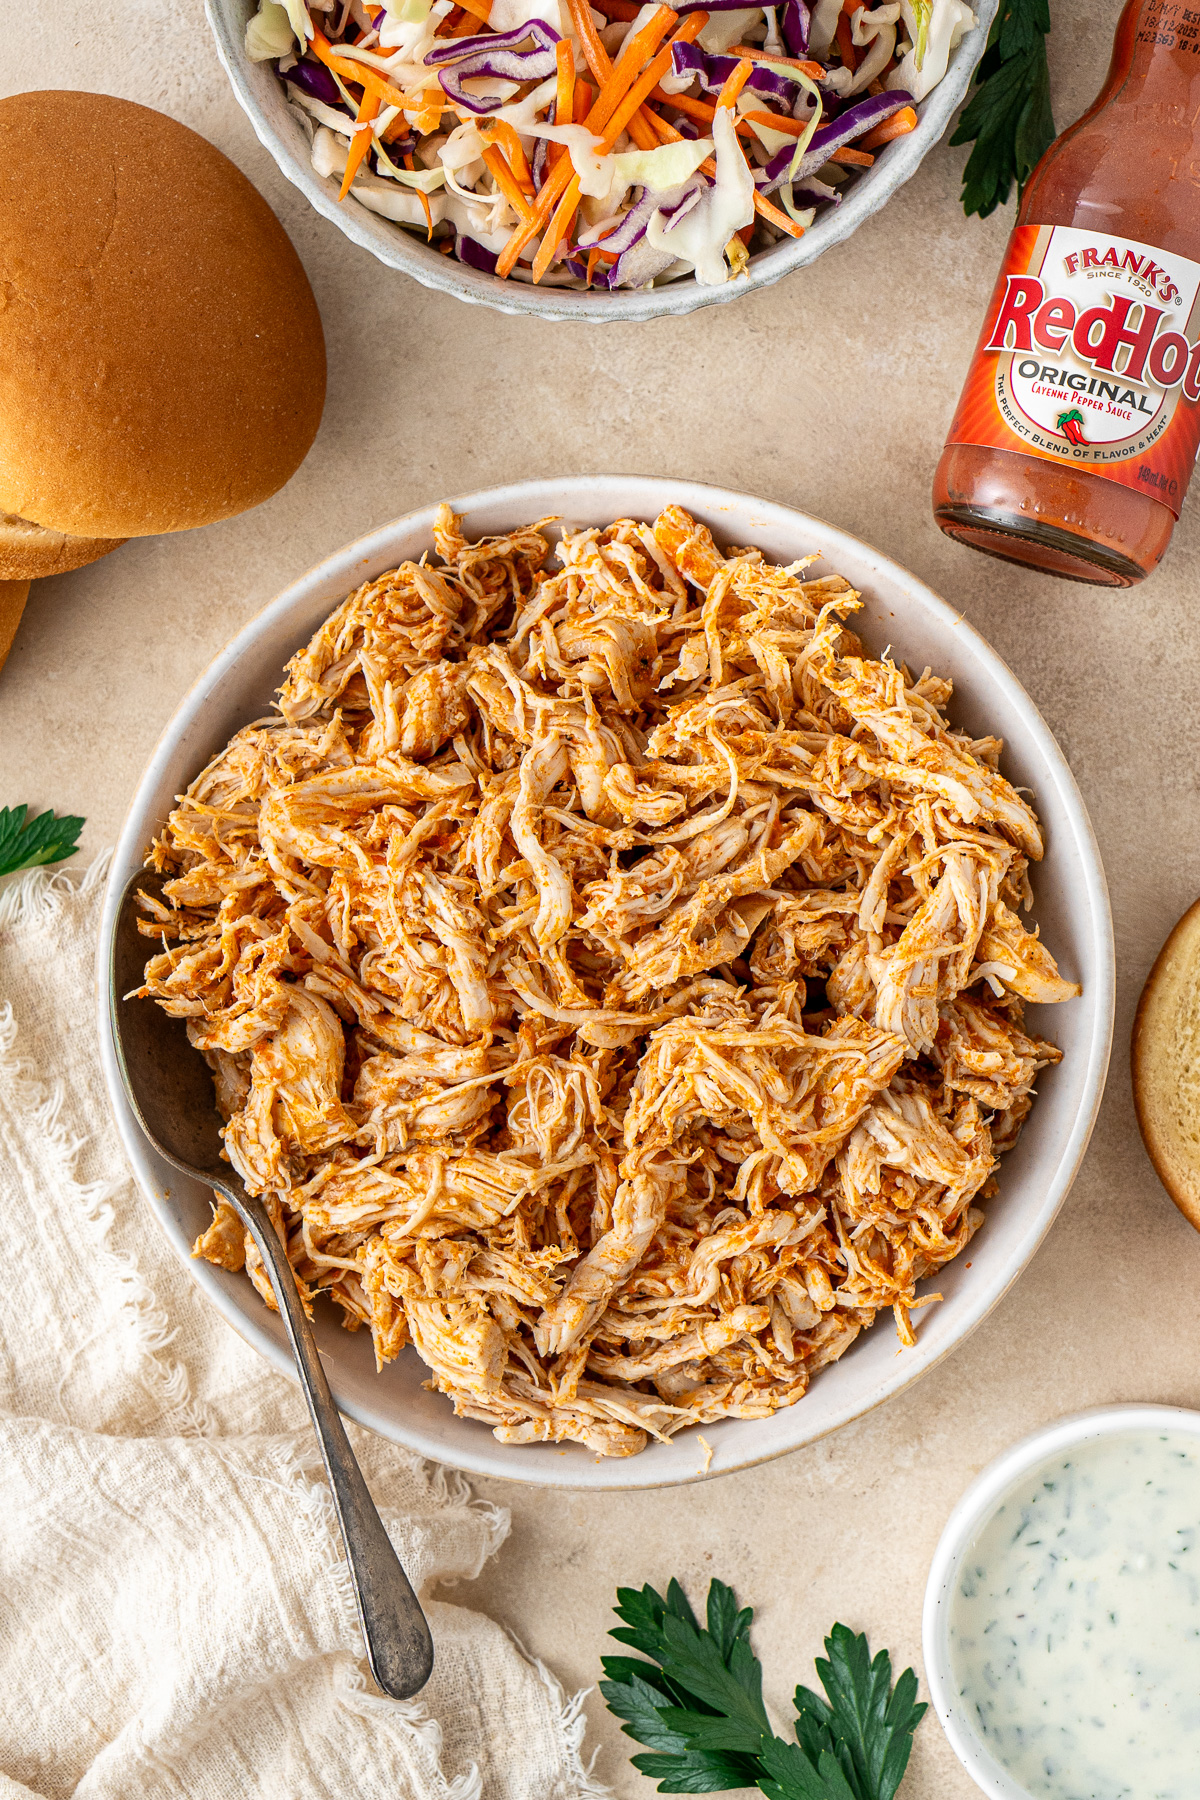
(1062, 1614)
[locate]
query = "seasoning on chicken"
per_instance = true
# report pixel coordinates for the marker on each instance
(612, 978)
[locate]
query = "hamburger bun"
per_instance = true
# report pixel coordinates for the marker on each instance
(13, 595)
(29, 551)
(161, 357)
(1165, 1059)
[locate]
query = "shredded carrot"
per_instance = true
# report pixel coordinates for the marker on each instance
(506, 182)
(813, 70)
(899, 125)
(609, 115)
(623, 10)
(583, 102)
(556, 230)
(593, 259)
(653, 73)
(598, 59)
(600, 64)
(642, 131)
(698, 109)
(779, 220)
(564, 94)
(564, 97)
(446, 246)
(481, 8)
(684, 103)
(844, 43)
(858, 159)
(746, 233)
(360, 143)
(661, 129)
(467, 26)
(779, 122)
(735, 82)
(424, 199)
(505, 135)
(399, 128)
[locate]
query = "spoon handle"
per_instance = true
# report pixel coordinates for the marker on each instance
(399, 1647)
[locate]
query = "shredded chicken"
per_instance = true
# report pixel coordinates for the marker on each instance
(612, 978)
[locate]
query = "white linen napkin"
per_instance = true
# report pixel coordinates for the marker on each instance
(176, 1617)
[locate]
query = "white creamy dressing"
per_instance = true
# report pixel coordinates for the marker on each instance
(1075, 1627)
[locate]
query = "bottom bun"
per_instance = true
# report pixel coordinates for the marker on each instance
(13, 595)
(1165, 1058)
(29, 551)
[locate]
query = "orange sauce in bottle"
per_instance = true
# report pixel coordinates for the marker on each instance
(1077, 430)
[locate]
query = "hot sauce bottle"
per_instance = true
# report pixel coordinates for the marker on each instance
(1077, 429)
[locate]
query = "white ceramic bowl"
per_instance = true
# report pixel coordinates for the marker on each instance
(970, 1516)
(261, 95)
(1072, 908)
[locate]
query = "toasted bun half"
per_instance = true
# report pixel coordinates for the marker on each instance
(1165, 1058)
(13, 595)
(29, 551)
(161, 357)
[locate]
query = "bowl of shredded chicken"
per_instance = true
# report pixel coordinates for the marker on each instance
(604, 160)
(619, 982)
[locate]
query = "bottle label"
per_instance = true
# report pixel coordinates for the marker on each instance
(1090, 356)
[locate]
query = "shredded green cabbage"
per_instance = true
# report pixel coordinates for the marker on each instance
(922, 13)
(297, 12)
(802, 142)
(667, 167)
(425, 179)
(269, 33)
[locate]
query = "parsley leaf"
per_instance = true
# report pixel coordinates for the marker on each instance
(871, 1724)
(697, 1706)
(702, 1707)
(788, 1774)
(26, 843)
(1009, 117)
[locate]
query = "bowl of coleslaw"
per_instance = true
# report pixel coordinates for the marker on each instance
(603, 161)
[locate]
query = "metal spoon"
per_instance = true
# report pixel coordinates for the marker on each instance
(169, 1090)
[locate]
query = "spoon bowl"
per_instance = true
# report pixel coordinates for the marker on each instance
(170, 1092)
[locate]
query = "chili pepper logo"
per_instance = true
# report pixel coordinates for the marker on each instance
(1071, 426)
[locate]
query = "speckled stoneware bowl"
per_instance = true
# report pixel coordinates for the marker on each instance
(1072, 911)
(261, 94)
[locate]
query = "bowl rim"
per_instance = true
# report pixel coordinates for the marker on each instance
(399, 249)
(516, 500)
(971, 1512)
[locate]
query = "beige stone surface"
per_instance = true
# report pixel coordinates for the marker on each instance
(831, 392)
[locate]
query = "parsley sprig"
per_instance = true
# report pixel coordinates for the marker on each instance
(1008, 118)
(25, 843)
(697, 1706)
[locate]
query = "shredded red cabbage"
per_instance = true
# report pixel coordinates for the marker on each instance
(474, 254)
(453, 49)
(714, 71)
(795, 25)
(826, 138)
(315, 80)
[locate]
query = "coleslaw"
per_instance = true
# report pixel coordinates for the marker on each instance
(603, 145)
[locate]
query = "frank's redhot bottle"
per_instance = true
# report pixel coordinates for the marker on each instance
(1076, 434)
